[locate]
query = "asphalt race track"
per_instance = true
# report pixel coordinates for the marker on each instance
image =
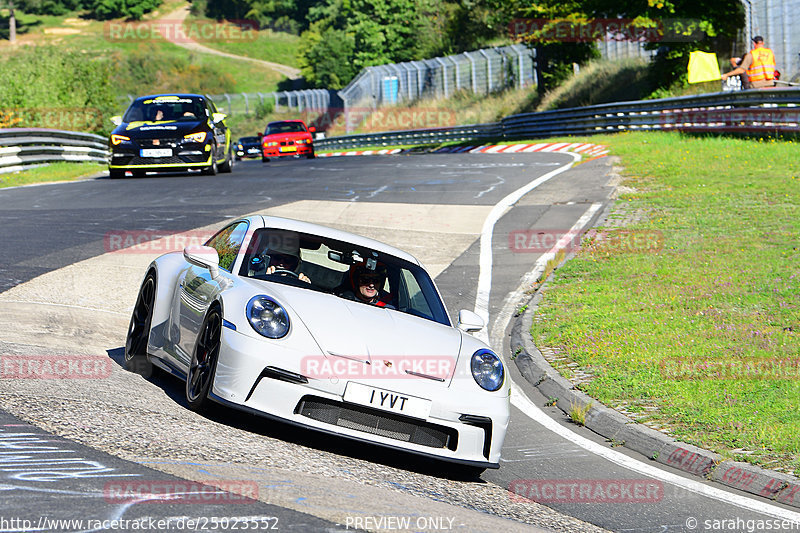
(67, 289)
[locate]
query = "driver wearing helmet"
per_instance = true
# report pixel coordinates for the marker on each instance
(285, 260)
(367, 286)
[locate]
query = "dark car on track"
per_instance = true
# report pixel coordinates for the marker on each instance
(170, 133)
(248, 147)
(287, 138)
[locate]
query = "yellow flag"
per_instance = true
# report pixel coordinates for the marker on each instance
(703, 67)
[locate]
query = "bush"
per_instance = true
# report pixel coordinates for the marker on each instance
(147, 71)
(132, 9)
(49, 87)
(265, 108)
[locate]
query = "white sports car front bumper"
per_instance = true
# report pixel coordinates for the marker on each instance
(264, 377)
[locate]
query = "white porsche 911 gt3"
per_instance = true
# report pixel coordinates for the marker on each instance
(323, 329)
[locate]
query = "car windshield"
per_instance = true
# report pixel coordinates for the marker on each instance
(337, 268)
(248, 140)
(284, 127)
(166, 108)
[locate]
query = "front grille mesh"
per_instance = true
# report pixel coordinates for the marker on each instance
(164, 160)
(162, 143)
(378, 423)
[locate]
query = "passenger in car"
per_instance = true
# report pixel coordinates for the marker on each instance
(367, 286)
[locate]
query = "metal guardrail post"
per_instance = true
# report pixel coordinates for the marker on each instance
(489, 87)
(458, 73)
(474, 74)
(520, 67)
(444, 75)
(24, 147)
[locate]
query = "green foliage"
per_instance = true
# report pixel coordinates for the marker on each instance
(148, 70)
(347, 35)
(327, 60)
(100, 9)
(132, 9)
(51, 87)
(598, 82)
(50, 7)
(265, 108)
(283, 15)
(470, 24)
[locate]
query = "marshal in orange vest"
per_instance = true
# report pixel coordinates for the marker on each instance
(763, 66)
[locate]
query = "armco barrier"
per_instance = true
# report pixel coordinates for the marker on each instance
(22, 147)
(427, 136)
(766, 111)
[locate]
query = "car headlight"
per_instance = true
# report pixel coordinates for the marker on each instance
(301, 141)
(241, 147)
(487, 369)
(267, 317)
(198, 137)
(117, 139)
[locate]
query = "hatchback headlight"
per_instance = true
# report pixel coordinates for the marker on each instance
(487, 369)
(117, 139)
(198, 137)
(267, 317)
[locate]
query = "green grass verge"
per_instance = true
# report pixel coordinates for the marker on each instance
(267, 45)
(61, 171)
(669, 331)
(170, 68)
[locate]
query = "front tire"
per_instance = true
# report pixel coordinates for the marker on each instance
(211, 170)
(139, 329)
(204, 361)
(227, 166)
(115, 173)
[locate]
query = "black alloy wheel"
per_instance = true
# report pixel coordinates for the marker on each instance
(204, 361)
(139, 329)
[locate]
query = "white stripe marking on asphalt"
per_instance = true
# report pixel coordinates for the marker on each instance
(485, 275)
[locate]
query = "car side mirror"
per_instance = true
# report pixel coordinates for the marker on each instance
(469, 322)
(116, 120)
(218, 117)
(312, 129)
(203, 257)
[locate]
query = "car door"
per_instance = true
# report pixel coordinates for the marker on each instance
(198, 290)
(220, 132)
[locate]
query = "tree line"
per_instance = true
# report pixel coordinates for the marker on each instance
(96, 9)
(341, 37)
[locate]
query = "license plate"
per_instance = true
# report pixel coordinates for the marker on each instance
(156, 152)
(253, 151)
(386, 400)
(288, 148)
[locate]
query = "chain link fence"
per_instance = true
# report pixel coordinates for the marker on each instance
(479, 72)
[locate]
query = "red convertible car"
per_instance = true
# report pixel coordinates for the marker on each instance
(287, 138)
